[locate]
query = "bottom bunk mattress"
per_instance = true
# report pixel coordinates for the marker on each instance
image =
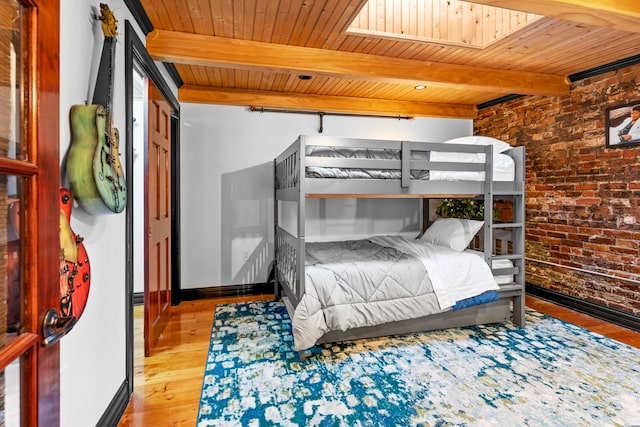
(368, 282)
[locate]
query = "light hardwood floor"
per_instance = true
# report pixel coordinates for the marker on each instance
(167, 385)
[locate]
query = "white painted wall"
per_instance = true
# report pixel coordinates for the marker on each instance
(92, 365)
(227, 187)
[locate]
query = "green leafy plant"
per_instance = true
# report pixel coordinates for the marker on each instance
(463, 208)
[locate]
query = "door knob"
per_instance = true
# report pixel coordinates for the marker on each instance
(55, 327)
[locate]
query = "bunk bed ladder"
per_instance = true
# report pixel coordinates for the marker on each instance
(515, 231)
(515, 254)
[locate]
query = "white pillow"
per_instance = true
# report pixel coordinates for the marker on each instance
(454, 233)
(498, 145)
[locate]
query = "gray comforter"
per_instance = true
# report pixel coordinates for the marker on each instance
(361, 153)
(369, 282)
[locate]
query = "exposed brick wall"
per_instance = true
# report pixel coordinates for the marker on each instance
(582, 199)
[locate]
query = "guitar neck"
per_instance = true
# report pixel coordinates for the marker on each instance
(103, 92)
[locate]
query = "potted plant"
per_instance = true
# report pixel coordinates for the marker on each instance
(463, 208)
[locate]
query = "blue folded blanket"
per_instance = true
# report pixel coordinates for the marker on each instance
(483, 298)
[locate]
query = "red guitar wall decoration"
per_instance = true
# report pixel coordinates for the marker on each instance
(75, 271)
(93, 163)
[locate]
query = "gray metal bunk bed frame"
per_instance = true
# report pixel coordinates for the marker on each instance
(504, 240)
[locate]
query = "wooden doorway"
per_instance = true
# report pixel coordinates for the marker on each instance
(157, 294)
(29, 213)
(139, 66)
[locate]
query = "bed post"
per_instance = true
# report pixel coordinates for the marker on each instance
(425, 214)
(302, 212)
(276, 283)
(488, 204)
(405, 164)
(518, 235)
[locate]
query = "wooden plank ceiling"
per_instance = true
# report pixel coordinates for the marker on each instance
(368, 57)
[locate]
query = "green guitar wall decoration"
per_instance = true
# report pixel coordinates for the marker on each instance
(93, 162)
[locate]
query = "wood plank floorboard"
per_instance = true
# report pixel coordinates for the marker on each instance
(167, 384)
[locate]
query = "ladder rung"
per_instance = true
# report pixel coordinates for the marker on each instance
(505, 271)
(507, 193)
(511, 289)
(507, 256)
(506, 225)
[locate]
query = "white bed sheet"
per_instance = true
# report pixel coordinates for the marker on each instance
(503, 165)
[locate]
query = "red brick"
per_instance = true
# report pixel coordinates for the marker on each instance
(596, 188)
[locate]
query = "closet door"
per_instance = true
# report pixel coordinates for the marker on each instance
(29, 212)
(157, 296)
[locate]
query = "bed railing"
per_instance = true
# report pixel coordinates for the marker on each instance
(412, 160)
(289, 255)
(287, 170)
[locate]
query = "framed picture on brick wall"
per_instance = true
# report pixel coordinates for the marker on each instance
(623, 125)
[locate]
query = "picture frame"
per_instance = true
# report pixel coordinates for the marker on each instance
(623, 125)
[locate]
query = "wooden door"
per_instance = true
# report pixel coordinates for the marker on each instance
(157, 296)
(29, 212)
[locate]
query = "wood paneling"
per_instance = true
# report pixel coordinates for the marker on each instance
(620, 14)
(310, 102)
(192, 49)
(455, 22)
(569, 39)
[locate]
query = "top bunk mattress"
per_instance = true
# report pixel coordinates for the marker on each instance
(503, 164)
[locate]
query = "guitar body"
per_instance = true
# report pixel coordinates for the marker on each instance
(93, 163)
(75, 270)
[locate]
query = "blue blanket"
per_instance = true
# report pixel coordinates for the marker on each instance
(483, 298)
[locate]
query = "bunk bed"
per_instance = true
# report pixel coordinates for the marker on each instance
(329, 167)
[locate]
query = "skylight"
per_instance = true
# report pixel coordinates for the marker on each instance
(447, 22)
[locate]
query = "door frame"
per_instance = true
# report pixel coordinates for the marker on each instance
(136, 54)
(40, 245)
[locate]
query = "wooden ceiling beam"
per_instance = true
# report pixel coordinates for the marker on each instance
(619, 14)
(211, 51)
(308, 102)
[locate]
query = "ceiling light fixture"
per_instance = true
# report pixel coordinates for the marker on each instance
(304, 77)
(420, 87)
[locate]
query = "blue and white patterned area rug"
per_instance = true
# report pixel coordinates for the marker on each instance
(549, 373)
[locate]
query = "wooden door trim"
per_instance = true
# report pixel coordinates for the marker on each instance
(176, 291)
(44, 189)
(17, 167)
(136, 53)
(19, 345)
